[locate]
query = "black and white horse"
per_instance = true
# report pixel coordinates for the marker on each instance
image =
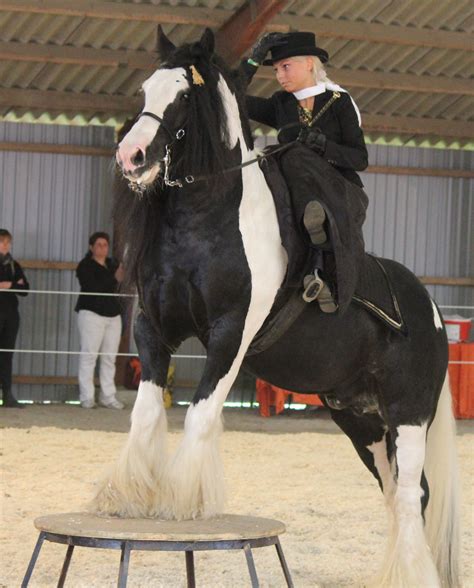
(208, 261)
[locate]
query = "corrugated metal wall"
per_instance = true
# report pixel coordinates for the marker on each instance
(53, 202)
(426, 223)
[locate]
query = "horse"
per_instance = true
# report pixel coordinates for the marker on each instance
(204, 249)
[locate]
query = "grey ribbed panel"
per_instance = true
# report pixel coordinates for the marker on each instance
(52, 203)
(426, 223)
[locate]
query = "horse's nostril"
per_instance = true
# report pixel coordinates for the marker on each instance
(138, 158)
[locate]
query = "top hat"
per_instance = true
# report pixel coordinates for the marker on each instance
(293, 44)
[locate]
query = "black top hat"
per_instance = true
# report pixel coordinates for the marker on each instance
(296, 44)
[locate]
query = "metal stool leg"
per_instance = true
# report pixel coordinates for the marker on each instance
(124, 561)
(251, 565)
(67, 561)
(190, 569)
(33, 559)
(284, 567)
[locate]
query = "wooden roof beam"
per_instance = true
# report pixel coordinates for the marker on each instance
(146, 61)
(160, 14)
(326, 28)
(215, 18)
(241, 31)
(417, 126)
(357, 78)
(67, 54)
(70, 103)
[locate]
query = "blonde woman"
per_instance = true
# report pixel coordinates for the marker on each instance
(323, 125)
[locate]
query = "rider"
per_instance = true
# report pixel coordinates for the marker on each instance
(331, 205)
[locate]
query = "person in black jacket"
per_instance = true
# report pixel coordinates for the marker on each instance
(99, 322)
(321, 123)
(11, 277)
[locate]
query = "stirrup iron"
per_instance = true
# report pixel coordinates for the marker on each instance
(313, 285)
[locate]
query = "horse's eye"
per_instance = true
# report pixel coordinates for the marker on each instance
(185, 96)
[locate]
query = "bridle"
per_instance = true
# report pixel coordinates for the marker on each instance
(190, 179)
(174, 136)
(170, 132)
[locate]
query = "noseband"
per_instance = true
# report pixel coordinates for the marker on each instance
(178, 135)
(174, 136)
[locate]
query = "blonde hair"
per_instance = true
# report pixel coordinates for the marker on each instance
(319, 73)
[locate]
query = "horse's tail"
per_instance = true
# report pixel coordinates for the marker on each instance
(441, 470)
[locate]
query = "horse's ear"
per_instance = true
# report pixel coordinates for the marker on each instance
(207, 41)
(163, 45)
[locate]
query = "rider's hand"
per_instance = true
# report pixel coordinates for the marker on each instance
(264, 44)
(314, 139)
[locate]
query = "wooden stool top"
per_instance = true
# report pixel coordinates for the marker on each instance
(225, 527)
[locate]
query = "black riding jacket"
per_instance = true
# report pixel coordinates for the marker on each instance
(345, 146)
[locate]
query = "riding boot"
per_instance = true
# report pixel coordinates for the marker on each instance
(9, 401)
(315, 288)
(313, 220)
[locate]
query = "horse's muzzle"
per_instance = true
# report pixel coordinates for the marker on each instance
(131, 161)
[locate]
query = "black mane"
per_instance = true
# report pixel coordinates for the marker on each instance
(206, 121)
(201, 153)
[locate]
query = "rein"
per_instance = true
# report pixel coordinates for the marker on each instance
(190, 179)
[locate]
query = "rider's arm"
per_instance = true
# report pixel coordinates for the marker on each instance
(261, 110)
(350, 152)
(19, 281)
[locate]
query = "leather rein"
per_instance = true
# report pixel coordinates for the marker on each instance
(190, 179)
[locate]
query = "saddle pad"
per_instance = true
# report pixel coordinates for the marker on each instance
(375, 293)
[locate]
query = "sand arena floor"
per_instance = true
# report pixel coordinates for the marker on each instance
(298, 469)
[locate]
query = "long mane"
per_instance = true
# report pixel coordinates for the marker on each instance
(206, 126)
(202, 154)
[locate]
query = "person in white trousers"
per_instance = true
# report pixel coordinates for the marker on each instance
(99, 322)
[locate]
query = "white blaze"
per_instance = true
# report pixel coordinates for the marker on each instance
(160, 90)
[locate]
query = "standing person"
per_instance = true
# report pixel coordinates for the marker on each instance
(11, 277)
(99, 322)
(322, 123)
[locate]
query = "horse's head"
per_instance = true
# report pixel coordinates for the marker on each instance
(185, 109)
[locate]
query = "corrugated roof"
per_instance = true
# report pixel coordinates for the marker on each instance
(407, 62)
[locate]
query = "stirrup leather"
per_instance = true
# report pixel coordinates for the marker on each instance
(313, 285)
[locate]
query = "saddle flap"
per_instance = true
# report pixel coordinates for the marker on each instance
(375, 292)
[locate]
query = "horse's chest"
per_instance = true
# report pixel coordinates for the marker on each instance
(260, 233)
